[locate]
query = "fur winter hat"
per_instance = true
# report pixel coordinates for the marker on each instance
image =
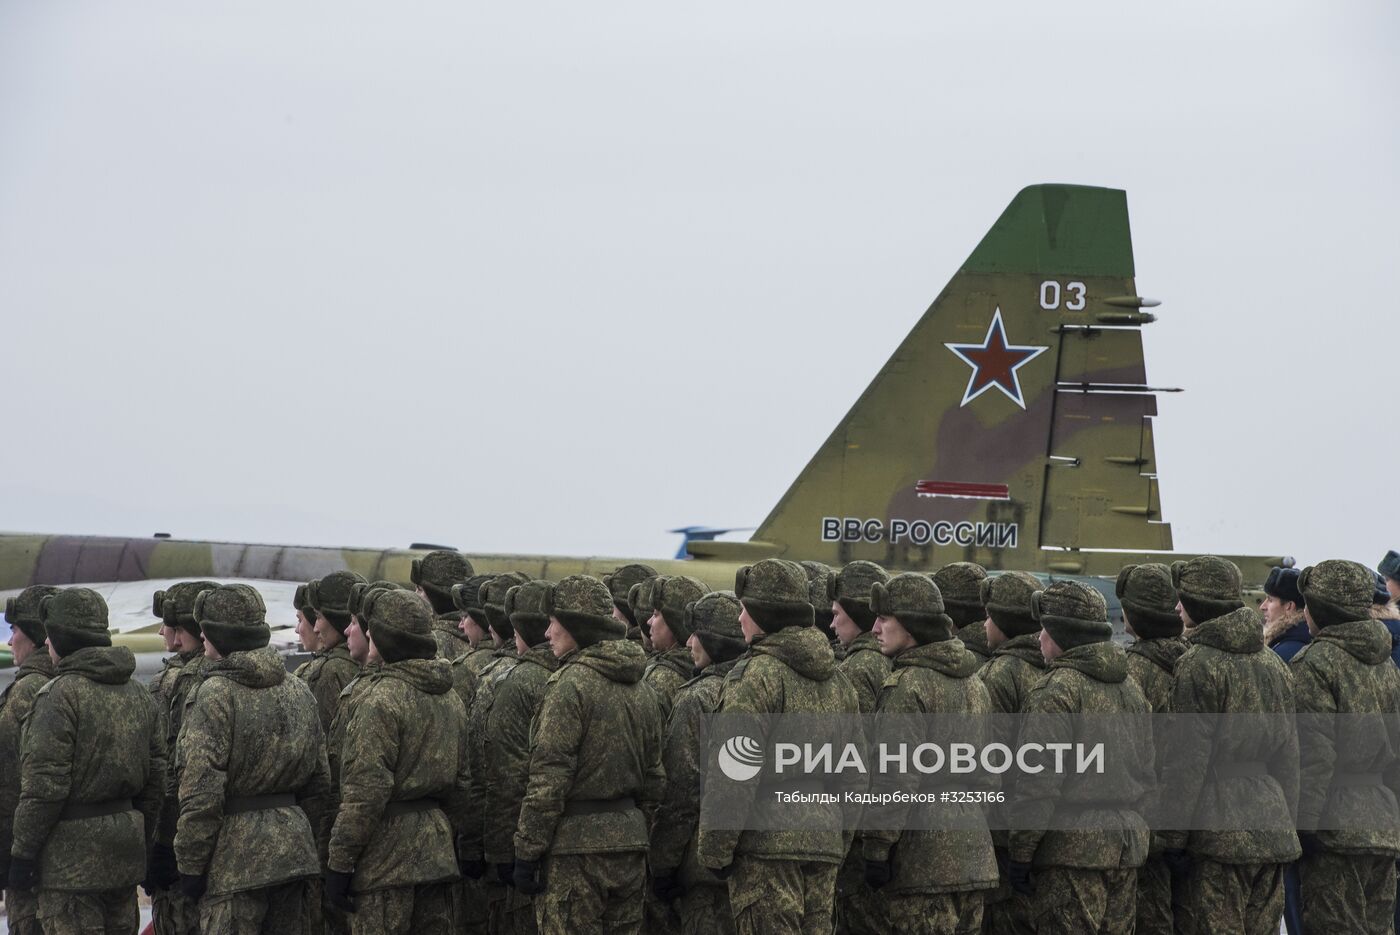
(525, 608)
(1208, 586)
(1337, 591)
(670, 597)
(640, 601)
(914, 600)
(233, 618)
(436, 573)
(175, 605)
(493, 601)
(960, 583)
(74, 618)
(620, 584)
(22, 611)
(1007, 597)
(1073, 614)
(818, 578)
(714, 621)
(775, 593)
(1149, 600)
(850, 590)
(1282, 583)
(400, 623)
(583, 605)
(466, 597)
(330, 596)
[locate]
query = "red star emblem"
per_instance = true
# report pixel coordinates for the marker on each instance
(994, 363)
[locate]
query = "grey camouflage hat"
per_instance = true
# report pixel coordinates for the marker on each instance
(233, 618)
(493, 601)
(400, 624)
(850, 589)
(525, 607)
(74, 618)
(466, 597)
(359, 589)
(669, 598)
(301, 600)
(583, 605)
(1337, 591)
(1073, 614)
(818, 587)
(640, 601)
(330, 596)
(1149, 600)
(1007, 597)
(620, 584)
(775, 593)
(914, 600)
(713, 619)
(22, 611)
(960, 583)
(175, 605)
(1208, 586)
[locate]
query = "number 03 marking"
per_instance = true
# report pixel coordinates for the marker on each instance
(1051, 293)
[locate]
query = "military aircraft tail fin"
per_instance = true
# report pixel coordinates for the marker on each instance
(1013, 425)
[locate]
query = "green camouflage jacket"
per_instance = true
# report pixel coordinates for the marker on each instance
(164, 680)
(1089, 679)
(92, 736)
(406, 742)
(497, 667)
(1347, 670)
(935, 678)
(326, 675)
(450, 639)
(188, 676)
(479, 658)
(505, 760)
(595, 745)
(1226, 669)
(666, 673)
(791, 671)
(683, 756)
(974, 637)
(250, 730)
(867, 668)
(353, 691)
(1150, 664)
(465, 680)
(1014, 668)
(15, 702)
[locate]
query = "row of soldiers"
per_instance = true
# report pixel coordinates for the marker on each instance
(496, 754)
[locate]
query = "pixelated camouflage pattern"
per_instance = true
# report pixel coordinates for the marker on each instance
(705, 910)
(1234, 897)
(161, 683)
(666, 672)
(16, 701)
(673, 836)
(974, 637)
(1156, 913)
(451, 641)
(271, 910)
(406, 741)
(597, 737)
(405, 910)
(943, 914)
(92, 735)
(1089, 679)
(173, 913)
(1013, 669)
(1352, 892)
(1347, 670)
(1228, 670)
(250, 730)
(789, 672)
(465, 680)
(1075, 900)
(350, 696)
(769, 895)
(189, 675)
(866, 668)
(1151, 663)
(63, 912)
(477, 659)
(326, 674)
(502, 661)
(933, 679)
(505, 761)
(592, 893)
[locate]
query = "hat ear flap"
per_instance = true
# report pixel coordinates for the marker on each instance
(356, 600)
(44, 608)
(658, 591)
(1177, 568)
(690, 616)
(158, 603)
(313, 593)
(510, 599)
(1304, 577)
(984, 590)
(833, 586)
(879, 595)
(10, 609)
(199, 600)
(257, 598)
(1035, 605)
(741, 579)
(415, 571)
(547, 600)
(169, 613)
(1120, 587)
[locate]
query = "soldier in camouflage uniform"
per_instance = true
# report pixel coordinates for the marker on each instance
(1013, 636)
(819, 576)
(171, 911)
(1083, 880)
(332, 669)
(182, 651)
(1348, 789)
(92, 763)
(435, 575)
(474, 627)
(403, 780)
(780, 881)
(505, 757)
(639, 598)
(306, 624)
(701, 899)
(254, 787)
(671, 665)
(929, 882)
(620, 584)
(960, 583)
(1149, 614)
(595, 772)
(864, 664)
(1233, 879)
(34, 669)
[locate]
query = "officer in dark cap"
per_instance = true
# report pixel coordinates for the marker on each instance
(1285, 630)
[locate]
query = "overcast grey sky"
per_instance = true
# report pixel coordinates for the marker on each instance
(554, 277)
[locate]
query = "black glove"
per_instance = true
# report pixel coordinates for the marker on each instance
(1019, 874)
(24, 874)
(724, 872)
(337, 888)
(505, 873)
(1003, 858)
(877, 873)
(473, 868)
(161, 871)
(193, 885)
(1178, 861)
(667, 886)
(528, 876)
(1309, 842)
